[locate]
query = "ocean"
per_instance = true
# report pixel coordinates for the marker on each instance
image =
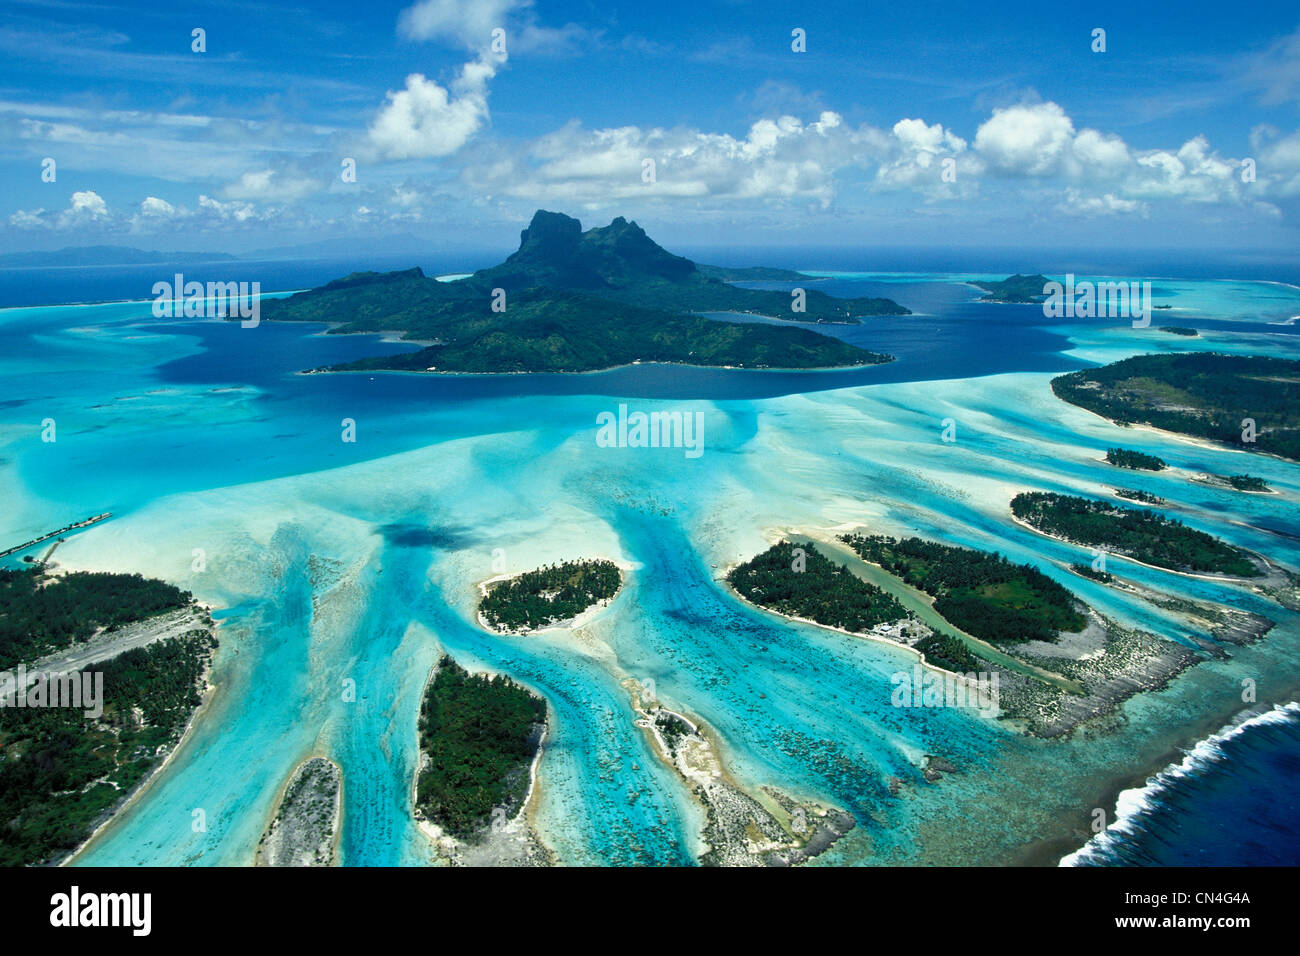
(1234, 800)
(336, 560)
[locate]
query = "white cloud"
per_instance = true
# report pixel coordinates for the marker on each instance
(1108, 204)
(916, 160)
(29, 219)
(86, 206)
(467, 22)
(153, 207)
(425, 120)
(1193, 173)
(778, 159)
(1028, 140)
(268, 185)
(234, 211)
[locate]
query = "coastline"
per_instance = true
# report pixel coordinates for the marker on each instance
(1217, 577)
(1130, 803)
(585, 616)
(336, 837)
(326, 370)
(522, 825)
(1050, 851)
(130, 799)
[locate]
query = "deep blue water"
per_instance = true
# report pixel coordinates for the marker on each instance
(46, 286)
(1234, 802)
(1238, 805)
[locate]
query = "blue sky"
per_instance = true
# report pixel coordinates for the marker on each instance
(457, 141)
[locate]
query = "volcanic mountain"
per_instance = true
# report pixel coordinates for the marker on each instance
(569, 301)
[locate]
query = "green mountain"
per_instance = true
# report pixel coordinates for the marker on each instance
(1014, 289)
(576, 301)
(621, 262)
(1251, 402)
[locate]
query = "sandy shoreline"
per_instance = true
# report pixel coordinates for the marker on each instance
(521, 825)
(1217, 577)
(578, 620)
(336, 829)
(209, 695)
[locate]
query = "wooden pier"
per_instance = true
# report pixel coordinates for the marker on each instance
(54, 534)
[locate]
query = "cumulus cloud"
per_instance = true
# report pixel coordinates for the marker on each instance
(89, 204)
(86, 207)
(917, 157)
(469, 24)
(1077, 203)
(268, 185)
(234, 211)
(1101, 172)
(1025, 139)
(783, 158)
(425, 121)
(155, 208)
(29, 219)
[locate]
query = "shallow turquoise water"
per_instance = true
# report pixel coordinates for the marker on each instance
(358, 561)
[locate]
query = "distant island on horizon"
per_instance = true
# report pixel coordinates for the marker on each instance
(574, 301)
(82, 256)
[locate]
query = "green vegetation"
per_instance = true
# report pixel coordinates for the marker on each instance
(1178, 329)
(62, 772)
(799, 581)
(556, 592)
(1126, 458)
(1198, 393)
(673, 728)
(621, 262)
(1248, 483)
(1143, 496)
(480, 735)
(1088, 571)
(578, 301)
(1016, 289)
(1140, 534)
(944, 650)
(751, 274)
(40, 615)
(983, 594)
(547, 331)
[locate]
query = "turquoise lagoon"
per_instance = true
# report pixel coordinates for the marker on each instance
(335, 562)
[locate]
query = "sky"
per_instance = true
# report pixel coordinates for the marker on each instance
(710, 123)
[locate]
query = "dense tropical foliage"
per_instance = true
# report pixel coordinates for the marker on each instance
(479, 735)
(980, 593)
(61, 772)
(41, 614)
(1144, 535)
(1227, 398)
(1139, 461)
(799, 581)
(552, 593)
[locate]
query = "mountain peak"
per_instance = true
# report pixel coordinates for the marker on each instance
(555, 250)
(550, 225)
